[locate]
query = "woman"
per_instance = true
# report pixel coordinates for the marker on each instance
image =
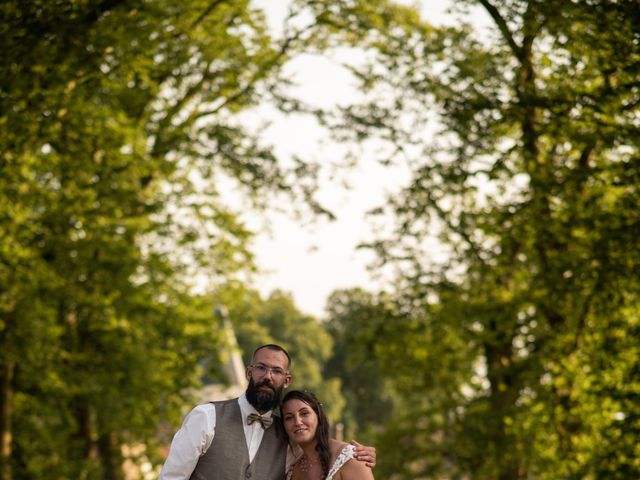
(323, 457)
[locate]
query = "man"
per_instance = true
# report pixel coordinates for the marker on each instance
(239, 439)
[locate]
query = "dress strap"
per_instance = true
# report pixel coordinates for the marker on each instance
(345, 455)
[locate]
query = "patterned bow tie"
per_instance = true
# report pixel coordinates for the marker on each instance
(264, 421)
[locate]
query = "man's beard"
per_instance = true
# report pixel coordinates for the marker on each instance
(263, 400)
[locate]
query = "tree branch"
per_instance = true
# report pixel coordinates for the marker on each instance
(206, 12)
(502, 25)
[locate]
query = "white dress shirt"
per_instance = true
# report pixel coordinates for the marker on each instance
(196, 434)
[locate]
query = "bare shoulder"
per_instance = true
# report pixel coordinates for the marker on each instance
(355, 470)
(335, 447)
(352, 469)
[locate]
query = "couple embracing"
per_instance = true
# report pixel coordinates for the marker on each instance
(243, 439)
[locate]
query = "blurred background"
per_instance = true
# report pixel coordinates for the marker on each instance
(432, 205)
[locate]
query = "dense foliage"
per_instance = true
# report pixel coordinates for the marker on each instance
(116, 127)
(515, 351)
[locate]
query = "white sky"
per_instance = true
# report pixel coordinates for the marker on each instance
(313, 260)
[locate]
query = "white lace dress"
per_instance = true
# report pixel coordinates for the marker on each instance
(344, 456)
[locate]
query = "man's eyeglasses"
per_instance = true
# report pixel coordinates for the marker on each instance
(262, 370)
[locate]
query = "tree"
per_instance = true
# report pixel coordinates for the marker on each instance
(530, 183)
(117, 125)
(276, 319)
(355, 319)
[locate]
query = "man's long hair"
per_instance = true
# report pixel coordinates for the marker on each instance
(322, 432)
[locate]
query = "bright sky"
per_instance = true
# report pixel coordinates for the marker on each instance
(313, 260)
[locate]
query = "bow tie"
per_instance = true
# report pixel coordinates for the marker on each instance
(264, 421)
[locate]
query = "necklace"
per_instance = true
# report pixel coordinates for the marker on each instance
(305, 463)
(308, 466)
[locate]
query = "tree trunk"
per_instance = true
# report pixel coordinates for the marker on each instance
(504, 392)
(6, 414)
(110, 456)
(85, 447)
